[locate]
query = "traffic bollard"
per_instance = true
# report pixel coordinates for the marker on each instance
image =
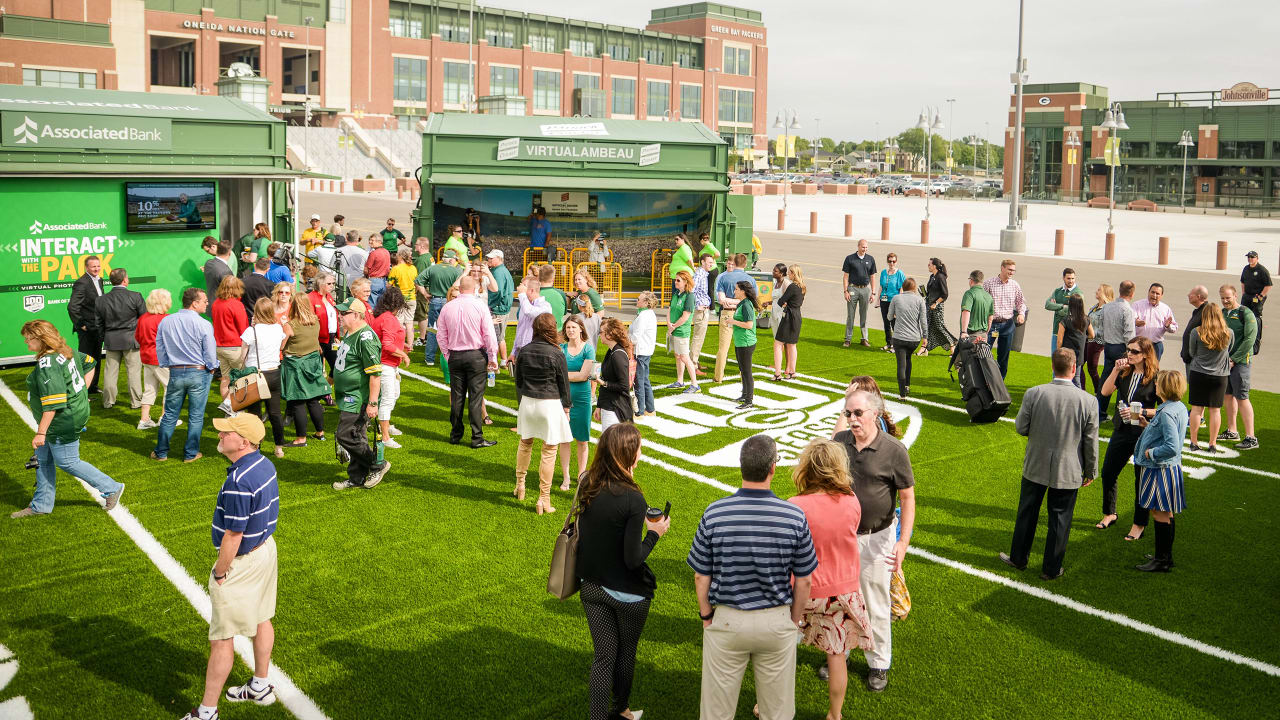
(924, 232)
(813, 223)
(1163, 258)
(1222, 255)
(884, 228)
(848, 226)
(782, 219)
(1109, 253)
(1059, 242)
(966, 239)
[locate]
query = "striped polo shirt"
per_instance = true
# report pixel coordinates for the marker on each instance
(750, 544)
(248, 503)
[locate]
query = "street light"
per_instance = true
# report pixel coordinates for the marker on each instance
(1073, 142)
(1186, 143)
(1114, 121)
(974, 138)
(890, 147)
(817, 145)
(1013, 238)
(929, 129)
(780, 122)
(306, 89)
(951, 132)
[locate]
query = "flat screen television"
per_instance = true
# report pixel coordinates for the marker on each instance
(170, 206)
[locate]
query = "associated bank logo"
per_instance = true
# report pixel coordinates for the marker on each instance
(33, 303)
(36, 228)
(23, 133)
(792, 413)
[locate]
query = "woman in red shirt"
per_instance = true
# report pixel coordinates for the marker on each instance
(835, 618)
(391, 332)
(154, 378)
(229, 321)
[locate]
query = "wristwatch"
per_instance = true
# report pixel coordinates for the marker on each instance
(709, 615)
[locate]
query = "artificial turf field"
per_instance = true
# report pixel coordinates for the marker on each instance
(425, 597)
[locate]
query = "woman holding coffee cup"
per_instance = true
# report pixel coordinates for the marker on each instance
(1132, 382)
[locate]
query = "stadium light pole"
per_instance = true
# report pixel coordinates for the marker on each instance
(951, 133)
(1073, 142)
(929, 129)
(780, 122)
(306, 89)
(1186, 143)
(1013, 238)
(1114, 122)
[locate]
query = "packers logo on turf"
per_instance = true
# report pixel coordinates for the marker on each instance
(13, 707)
(793, 413)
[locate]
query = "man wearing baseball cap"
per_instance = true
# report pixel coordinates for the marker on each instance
(1256, 282)
(500, 300)
(242, 584)
(357, 383)
(313, 237)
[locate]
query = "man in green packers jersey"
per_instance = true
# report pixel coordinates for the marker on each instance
(59, 400)
(357, 383)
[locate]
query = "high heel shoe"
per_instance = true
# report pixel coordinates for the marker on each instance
(565, 485)
(519, 491)
(777, 377)
(544, 507)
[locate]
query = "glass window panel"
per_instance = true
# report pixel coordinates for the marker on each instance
(730, 61)
(746, 106)
(728, 109)
(657, 98)
(458, 81)
(583, 48)
(691, 101)
(744, 61)
(583, 81)
(455, 33)
(624, 96)
(546, 90)
(542, 43)
(504, 80)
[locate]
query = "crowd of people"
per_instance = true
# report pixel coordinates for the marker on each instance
(287, 341)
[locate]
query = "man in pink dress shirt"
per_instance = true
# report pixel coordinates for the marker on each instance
(465, 333)
(1152, 318)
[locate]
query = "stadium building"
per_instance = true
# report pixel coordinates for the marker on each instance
(1234, 162)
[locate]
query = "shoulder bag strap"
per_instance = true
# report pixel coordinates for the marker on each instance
(257, 348)
(572, 517)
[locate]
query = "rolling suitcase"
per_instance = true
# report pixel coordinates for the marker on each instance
(981, 387)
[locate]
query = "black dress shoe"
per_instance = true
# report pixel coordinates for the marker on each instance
(1004, 558)
(1047, 576)
(1154, 564)
(483, 444)
(455, 441)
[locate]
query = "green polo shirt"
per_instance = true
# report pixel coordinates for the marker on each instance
(555, 298)
(980, 305)
(744, 337)
(680, 304)
(422, 262)
(438, 279)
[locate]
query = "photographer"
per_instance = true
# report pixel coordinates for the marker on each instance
(56, 392)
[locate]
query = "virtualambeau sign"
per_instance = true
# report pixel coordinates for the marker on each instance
(586, 151)
(60, 130)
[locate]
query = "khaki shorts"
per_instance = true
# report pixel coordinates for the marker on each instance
(228, 360)
(247, 597)
(419, 307)
(500, 325)
(679, 345)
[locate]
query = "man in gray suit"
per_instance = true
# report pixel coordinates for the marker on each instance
(1060, 422)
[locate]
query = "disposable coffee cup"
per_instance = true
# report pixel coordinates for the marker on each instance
(653, 514)
(1135, 409)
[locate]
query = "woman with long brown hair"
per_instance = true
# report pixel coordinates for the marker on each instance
(1208, 371)
(744, 339)
(302, 377)
(57, 391)
(1132, 380)
(787, 336)
(614, 381)
(1093, 348)
(616, 537)
(229, 320)
(261, 347)
(835, 616)
(542, 389)
(281, 300)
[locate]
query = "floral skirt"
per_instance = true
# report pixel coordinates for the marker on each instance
(837, 625)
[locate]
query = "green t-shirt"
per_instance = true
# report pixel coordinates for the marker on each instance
(1244, 324)
(57, 384)
(457, 246)
(597, 302)
(422, 262)
(980, 304)
(438, 279)
(246, 243)
(556, 299)
(744, 337)
(709, 249)
(501, 299)
(391, 240)
(682, 260)
(359, 356)
(680, 304)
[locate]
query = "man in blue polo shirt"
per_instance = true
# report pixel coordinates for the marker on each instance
(539, 230)
(747, 548)
(734, 271)
(242, 584)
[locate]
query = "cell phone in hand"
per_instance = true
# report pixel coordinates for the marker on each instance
(666, 512)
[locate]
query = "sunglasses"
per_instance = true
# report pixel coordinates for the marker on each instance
(1133, 351)
(855, 413)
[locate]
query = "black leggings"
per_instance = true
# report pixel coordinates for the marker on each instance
(273, 406)
(903, 350)
(887, 323)
(615, 633)
(298, 410)
(1119, 456)
(743, 354)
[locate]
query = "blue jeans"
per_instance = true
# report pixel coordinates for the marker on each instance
(433, 314)
(189, 384)
(1053, 343)
(1003, 342)
(53, 455)
(1159, 347)
(644, 388)
(1111, 352)
(377, 286)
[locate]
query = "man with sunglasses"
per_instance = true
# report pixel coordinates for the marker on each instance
(881, 470)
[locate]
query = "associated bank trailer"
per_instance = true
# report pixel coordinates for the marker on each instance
(138, 179)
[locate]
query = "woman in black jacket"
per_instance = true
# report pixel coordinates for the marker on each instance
(615, 538)
(614, 405)
(542, 389)
(935, 295)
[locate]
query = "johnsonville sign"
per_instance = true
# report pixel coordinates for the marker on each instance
(522, 149)
(1245, 92)
(60, 130)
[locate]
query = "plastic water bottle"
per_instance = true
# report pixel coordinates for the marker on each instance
(493, 379)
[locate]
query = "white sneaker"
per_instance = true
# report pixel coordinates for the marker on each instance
(195, 715)
(246, 692)
(343, 485)
(391, 444)
(147, 424)
(394, 431)
(376, 476)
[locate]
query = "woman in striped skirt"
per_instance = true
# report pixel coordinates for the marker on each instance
(1159, 459)
(935, 295)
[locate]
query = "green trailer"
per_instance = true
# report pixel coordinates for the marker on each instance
(640, 182)
(138, 179)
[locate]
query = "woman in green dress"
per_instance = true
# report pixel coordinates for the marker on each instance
(744, 339)
(302, 377)
(580, 356)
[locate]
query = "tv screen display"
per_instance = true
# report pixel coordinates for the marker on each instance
(170, 206)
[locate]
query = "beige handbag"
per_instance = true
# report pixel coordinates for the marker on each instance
(563, 580)
(251, 388)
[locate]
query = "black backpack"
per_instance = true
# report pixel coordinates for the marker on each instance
(981, 387)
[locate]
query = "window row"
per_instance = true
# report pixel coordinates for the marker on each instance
(59, 78)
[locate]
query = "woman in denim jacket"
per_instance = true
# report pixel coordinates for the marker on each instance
(1159, 459)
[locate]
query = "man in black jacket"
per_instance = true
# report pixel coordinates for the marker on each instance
(1198, 296)
(118, 312)
(256, 284)
(84, 296)
(217, 267)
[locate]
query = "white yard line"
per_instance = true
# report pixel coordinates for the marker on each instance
(294, 700)
(1033, 591)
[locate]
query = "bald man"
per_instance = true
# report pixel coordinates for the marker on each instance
(465, 333)
(1197, 296)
